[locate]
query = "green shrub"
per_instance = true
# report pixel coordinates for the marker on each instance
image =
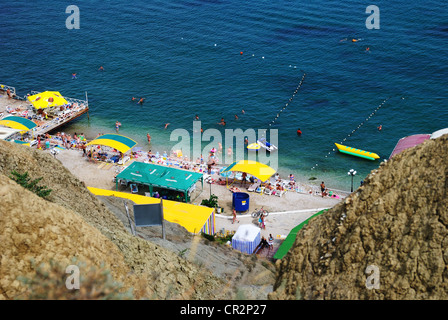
(211, 203)
(25, 181)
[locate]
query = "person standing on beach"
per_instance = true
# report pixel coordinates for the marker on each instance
(322, 188)
(234, 216)
(243, 178)
(148, 137)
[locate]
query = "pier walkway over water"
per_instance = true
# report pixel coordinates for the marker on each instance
(47, 119)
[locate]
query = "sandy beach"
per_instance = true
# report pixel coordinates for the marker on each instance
(286, 212)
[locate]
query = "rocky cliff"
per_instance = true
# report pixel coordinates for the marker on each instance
(72, 223)
(387, 240)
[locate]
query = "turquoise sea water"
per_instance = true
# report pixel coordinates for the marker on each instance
(184, 58)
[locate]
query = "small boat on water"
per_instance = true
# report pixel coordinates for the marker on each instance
(253, 146)
(264, 144)
(357, 152)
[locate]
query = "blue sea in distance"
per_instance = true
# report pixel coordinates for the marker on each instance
(184, 58)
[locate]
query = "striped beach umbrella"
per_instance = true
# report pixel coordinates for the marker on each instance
(19, 123)
(116, 141)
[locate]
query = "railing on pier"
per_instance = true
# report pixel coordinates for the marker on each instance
(4, 87)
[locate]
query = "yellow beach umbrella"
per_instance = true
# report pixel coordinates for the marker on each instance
(47, 99)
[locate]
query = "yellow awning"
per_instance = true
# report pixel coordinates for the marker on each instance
(190, 216)
(254, 168)
(47, 99)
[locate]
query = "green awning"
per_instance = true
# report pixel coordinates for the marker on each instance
(291, 238)
(160, 176)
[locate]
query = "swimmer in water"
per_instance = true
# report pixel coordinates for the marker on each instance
(101, 68)
(166, 125)
(73, 75)
(236, 117)
(196, 117)
(141, 101)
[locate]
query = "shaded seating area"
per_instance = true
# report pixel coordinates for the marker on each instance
(160, 181)
(116, 148)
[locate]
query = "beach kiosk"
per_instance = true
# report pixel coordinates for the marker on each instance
(161, 177)
(246, 238)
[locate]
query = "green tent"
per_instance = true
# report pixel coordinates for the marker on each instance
(153, 175)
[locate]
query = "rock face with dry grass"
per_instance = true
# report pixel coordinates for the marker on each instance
(72, 223)
(396, 224)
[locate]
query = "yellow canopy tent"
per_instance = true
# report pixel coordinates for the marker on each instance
(254, 168)
(47, 99)
(192, 217)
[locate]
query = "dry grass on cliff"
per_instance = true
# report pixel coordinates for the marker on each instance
(397, 221)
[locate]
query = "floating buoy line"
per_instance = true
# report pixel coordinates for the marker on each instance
(356, 129)
(289, 101)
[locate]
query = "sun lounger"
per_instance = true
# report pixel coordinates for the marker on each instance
(280, 193)
(253, 187)
(268, 191)
(260, 190)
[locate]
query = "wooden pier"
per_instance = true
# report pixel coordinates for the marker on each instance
(47, 120)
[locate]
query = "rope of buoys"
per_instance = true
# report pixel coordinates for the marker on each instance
(356, 129)
(290, 99)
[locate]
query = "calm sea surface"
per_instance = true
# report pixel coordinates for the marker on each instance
(185, 58)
